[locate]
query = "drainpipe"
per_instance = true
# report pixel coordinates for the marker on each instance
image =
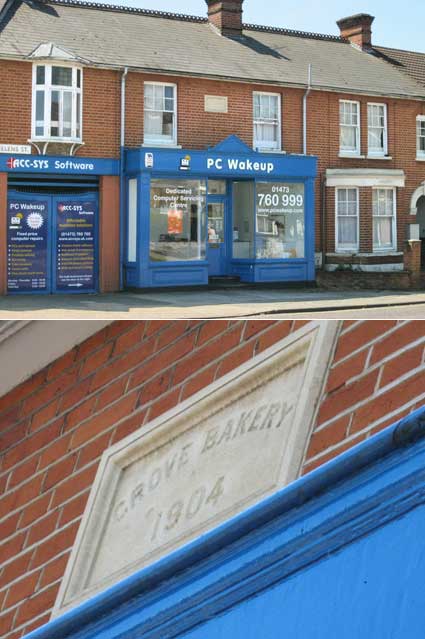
(306, 94)
(122, 181)
(323, 224)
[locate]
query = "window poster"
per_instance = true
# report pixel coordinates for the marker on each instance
(175, 222)
(75, 245)
(27, 235)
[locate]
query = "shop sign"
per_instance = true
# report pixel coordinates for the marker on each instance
(27, 232)
(75, 244)
(239, 165)
(15, 148)
(50, 164)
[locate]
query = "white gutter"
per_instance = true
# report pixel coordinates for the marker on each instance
(306, 94)
(123, 78)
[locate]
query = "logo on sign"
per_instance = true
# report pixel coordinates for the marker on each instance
(16, 220)
(185, 163)
(11, 163)
(149, 160)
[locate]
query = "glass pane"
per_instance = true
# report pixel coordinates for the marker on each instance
(169, 92)
(78, 78)
(62, 76)
(54, 113)
(280, 220)
(216, 222)
(39, 107)
(41, 75)
(348, 138)
(132, 221)
(67, 114)
(177, 220)
(243, 220)
(382, 232)
(217, 187)
(347, 231)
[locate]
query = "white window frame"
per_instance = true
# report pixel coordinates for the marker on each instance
(384, 151)
(343, 150)
(278, 145)
(161, 141)
(393, 247)
(419, 154)
(353, 248)
(48, 87)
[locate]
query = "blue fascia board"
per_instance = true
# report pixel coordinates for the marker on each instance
(375, 482)
(216, 164)
(61, 165)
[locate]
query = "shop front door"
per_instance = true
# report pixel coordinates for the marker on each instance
(52, 243)
(217, 253)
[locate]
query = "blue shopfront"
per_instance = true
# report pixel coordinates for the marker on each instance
(53, 222)
(227, 211)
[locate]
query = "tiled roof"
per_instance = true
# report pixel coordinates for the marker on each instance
(162, 42)
(411, 62)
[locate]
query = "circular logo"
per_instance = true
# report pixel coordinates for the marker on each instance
(35, 220)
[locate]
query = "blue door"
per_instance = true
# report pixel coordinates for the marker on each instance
(52, 243)
(217, 228)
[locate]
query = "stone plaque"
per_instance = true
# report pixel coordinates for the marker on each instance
(236, 442)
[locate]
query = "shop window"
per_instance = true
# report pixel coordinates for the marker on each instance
(347, 220)
(349, 119)
(243, 220)
(57, 103)
(267, 122)
(420, 136)
(377, 129)
(280, 220)
(160, 113)
(177, 220)
(384, 219)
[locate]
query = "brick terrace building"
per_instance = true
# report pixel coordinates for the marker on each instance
(90, 81)
(65, 401)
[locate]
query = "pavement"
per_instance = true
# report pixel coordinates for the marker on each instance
(223, 303)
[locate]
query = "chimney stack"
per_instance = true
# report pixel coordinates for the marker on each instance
(226, 16)
(357, 29)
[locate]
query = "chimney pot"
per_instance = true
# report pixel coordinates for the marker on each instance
(357, 29)
(226, 16)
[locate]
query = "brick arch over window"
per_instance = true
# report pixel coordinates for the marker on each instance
(420, 191)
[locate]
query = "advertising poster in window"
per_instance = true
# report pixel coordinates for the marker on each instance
(177, 223)
(75, 245)
(27, 232)
(280, 220)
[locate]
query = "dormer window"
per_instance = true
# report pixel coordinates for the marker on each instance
(57, 103)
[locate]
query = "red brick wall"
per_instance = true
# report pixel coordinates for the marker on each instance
(55, 426)
(109, 233)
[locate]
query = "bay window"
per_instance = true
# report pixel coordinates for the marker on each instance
(349, 119)
(57, 103)
(420, 136)
(377, 129)
(384, 219)
(267, 122)
(347, 219)
(160, 113)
